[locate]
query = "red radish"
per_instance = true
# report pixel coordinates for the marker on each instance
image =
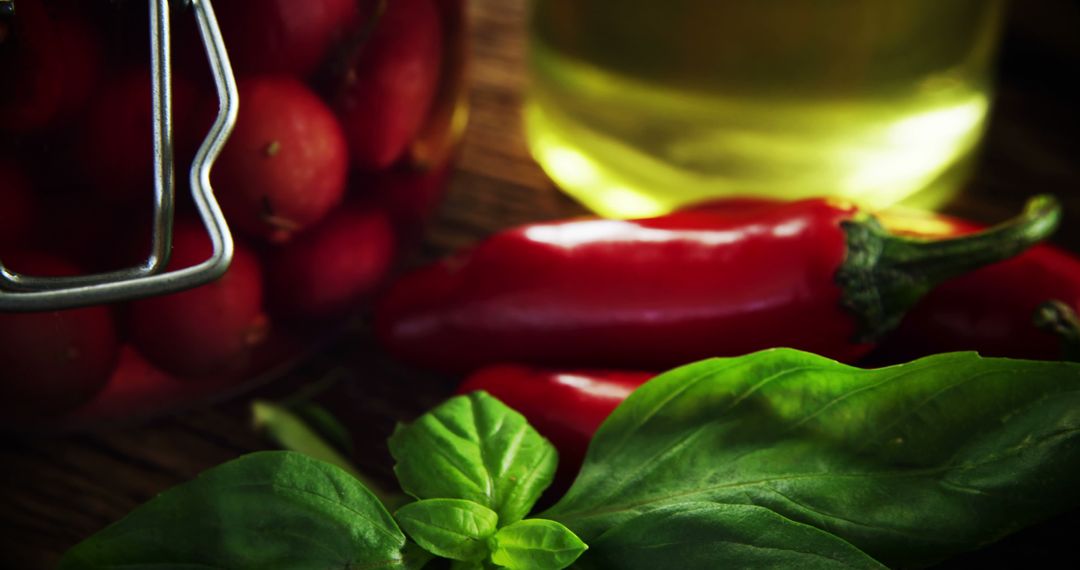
(326, 270)
(207, 329)
(115, 146)
(284, 167)
(283, 36)
(53, 360)
(390, 83)
(17, 206)
(30, 59)
(410, 195)
(446, 120)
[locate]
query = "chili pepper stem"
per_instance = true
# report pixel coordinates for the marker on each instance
(884, 275)
(1059, 318)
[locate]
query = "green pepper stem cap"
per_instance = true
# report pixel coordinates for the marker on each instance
(883, 275)
(1059, 318)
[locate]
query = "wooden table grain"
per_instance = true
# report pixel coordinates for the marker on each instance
(57, 490)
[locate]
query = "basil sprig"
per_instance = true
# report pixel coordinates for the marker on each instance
(474, 448)
(775, 459)
(492, 465)
(475, 465)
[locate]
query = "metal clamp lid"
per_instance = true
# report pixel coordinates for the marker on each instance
(30, 293)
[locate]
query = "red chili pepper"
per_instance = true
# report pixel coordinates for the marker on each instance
(656, 293)
(564, 406)
(990, 310)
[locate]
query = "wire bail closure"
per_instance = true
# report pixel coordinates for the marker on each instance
(20, 292)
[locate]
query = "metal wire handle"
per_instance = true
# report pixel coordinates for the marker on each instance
(29, 293)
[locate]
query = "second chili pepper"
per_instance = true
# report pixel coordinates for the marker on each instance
(653, 294)
(989, 310)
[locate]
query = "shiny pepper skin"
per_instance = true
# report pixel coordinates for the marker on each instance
(646, 294)
(656, 293)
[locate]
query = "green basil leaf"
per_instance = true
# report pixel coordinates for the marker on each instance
(451, 528)
(474, 447)
(711, 535)
(909, 463)
(535, 544)
(275, 509)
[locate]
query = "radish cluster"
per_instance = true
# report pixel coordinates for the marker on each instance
(327, 173)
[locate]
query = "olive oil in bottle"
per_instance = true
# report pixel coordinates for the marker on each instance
(639, 106)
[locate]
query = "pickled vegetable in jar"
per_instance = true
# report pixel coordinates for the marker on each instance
(348, 117)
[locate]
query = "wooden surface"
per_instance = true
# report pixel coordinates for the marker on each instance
(57, 490)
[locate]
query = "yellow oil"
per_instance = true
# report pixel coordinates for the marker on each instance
(637, 107)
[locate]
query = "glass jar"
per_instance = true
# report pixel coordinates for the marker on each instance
(639, 107)
(349, 112)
